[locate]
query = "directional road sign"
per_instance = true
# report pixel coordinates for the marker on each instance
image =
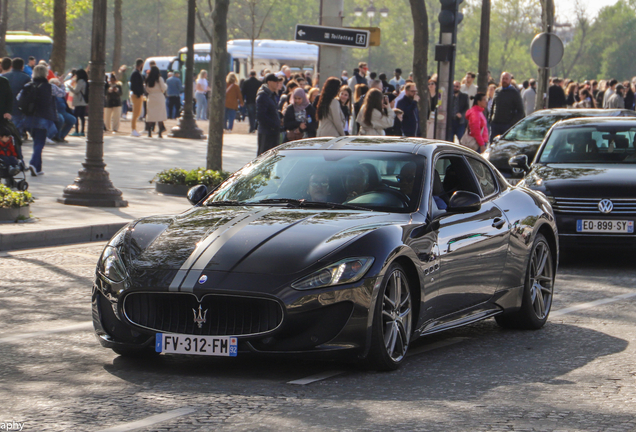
(334, 36)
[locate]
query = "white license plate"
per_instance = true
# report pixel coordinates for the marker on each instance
(168, 343)
(605, 226)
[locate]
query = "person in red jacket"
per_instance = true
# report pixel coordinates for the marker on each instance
(8, 153)
(477, 125)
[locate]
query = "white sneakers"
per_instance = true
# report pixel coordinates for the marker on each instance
(135, 133)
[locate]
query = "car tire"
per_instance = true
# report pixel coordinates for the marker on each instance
(392, 321)
(538, 290)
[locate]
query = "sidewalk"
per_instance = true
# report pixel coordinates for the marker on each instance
(132, 163)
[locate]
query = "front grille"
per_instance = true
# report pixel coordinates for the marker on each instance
(226, 315)
(590, 205)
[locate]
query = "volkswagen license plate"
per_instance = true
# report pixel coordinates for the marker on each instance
(605, 226)
(167, 343)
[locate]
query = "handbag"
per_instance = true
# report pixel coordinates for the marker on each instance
(467, 140)
(295, 134)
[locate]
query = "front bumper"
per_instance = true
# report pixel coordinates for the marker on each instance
(314, 321)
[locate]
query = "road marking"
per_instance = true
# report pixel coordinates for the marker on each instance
(436, 345)
(149, 421)
(52, 249)
(588, 305)
(88, 325)
(317, 377)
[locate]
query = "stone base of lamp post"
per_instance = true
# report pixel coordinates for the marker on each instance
(93, 188)
(187, 128)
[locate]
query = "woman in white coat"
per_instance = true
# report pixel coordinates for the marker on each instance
(156, 104)
(375, 114)
(328, 111)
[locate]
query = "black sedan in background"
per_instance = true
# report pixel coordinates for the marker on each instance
(526, 136)
(587, 170)
(350, 245)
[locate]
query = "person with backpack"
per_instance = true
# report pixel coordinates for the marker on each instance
(80, 100)
(38, 107)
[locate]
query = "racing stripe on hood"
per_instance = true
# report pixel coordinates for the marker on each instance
(192, 269)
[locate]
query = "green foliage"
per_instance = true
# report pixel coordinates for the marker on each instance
(74, 10)
(14, 199)
(178, 176)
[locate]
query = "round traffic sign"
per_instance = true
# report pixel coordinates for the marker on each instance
(539, 46)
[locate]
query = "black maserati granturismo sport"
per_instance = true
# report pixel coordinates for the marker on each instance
(587, 170)
(526, 136)
(352, 245)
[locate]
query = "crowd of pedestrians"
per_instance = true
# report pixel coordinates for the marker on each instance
(286, 105)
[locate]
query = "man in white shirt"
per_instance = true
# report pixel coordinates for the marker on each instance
(397, 81)
(529, 97)
(469, 86)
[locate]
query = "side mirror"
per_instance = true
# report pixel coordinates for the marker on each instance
(464, 202)
(496, 139)
(197, 193)
(519, 162)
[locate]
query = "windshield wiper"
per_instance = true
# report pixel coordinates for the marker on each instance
(314, 204)
(226, 202)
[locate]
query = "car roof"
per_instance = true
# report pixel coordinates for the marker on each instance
(589, 112)
(593, 121)
(373, 143)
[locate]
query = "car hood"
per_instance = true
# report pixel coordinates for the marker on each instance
(585, 181)
(261, 240)
(500, 152)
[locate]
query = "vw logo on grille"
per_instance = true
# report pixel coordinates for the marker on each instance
(605, 206)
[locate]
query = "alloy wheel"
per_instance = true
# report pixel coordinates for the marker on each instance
(396, 316)
(541, 280)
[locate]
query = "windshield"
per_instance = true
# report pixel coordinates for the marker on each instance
(590, 144)
(533, 128)
(381, 181)
(41, 51)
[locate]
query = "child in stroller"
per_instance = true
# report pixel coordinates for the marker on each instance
(12, 166)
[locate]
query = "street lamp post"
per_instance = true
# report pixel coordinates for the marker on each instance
(93, 186)
(187, 127)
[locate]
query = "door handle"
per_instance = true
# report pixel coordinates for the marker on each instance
(498, 223)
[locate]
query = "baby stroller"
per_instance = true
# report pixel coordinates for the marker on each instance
(13, 176)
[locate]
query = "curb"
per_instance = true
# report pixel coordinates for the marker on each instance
(58, 237)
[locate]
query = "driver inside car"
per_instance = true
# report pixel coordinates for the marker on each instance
(406, 179)
(318, 189)
(356, 182)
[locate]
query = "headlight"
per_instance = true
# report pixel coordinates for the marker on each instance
(111, 266)
(346, 271)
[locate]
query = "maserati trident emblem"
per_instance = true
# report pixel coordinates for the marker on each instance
(605, 206)
(199, 318)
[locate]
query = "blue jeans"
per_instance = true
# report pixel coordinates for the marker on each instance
(230, 115)
(251, 113)
(124, 108)
(65, 123)
(39, 139)
(458, 129)
(202, 106)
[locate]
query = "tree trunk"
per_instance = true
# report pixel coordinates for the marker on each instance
(484, 42)
(547, 20)
(58, 55)
(4, 21)
(420, 59)
(217, 84)
(118, 36)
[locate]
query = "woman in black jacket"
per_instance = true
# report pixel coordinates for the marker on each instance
(300, 117)
(40, 119)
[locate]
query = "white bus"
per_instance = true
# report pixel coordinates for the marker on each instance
(268, 54)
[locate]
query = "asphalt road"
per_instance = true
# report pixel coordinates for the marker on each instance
(576, 374)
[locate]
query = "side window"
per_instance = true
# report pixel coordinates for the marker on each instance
(451, 174)
(485, 177)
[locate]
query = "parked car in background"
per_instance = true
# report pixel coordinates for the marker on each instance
(526, 136)
(587, 170)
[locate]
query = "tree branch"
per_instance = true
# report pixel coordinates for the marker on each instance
(200, 19)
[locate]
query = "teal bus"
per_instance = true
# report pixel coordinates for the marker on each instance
(25, 44)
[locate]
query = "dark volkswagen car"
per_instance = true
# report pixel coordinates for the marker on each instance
(526, 136)
(351, 245)
(587, 169)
